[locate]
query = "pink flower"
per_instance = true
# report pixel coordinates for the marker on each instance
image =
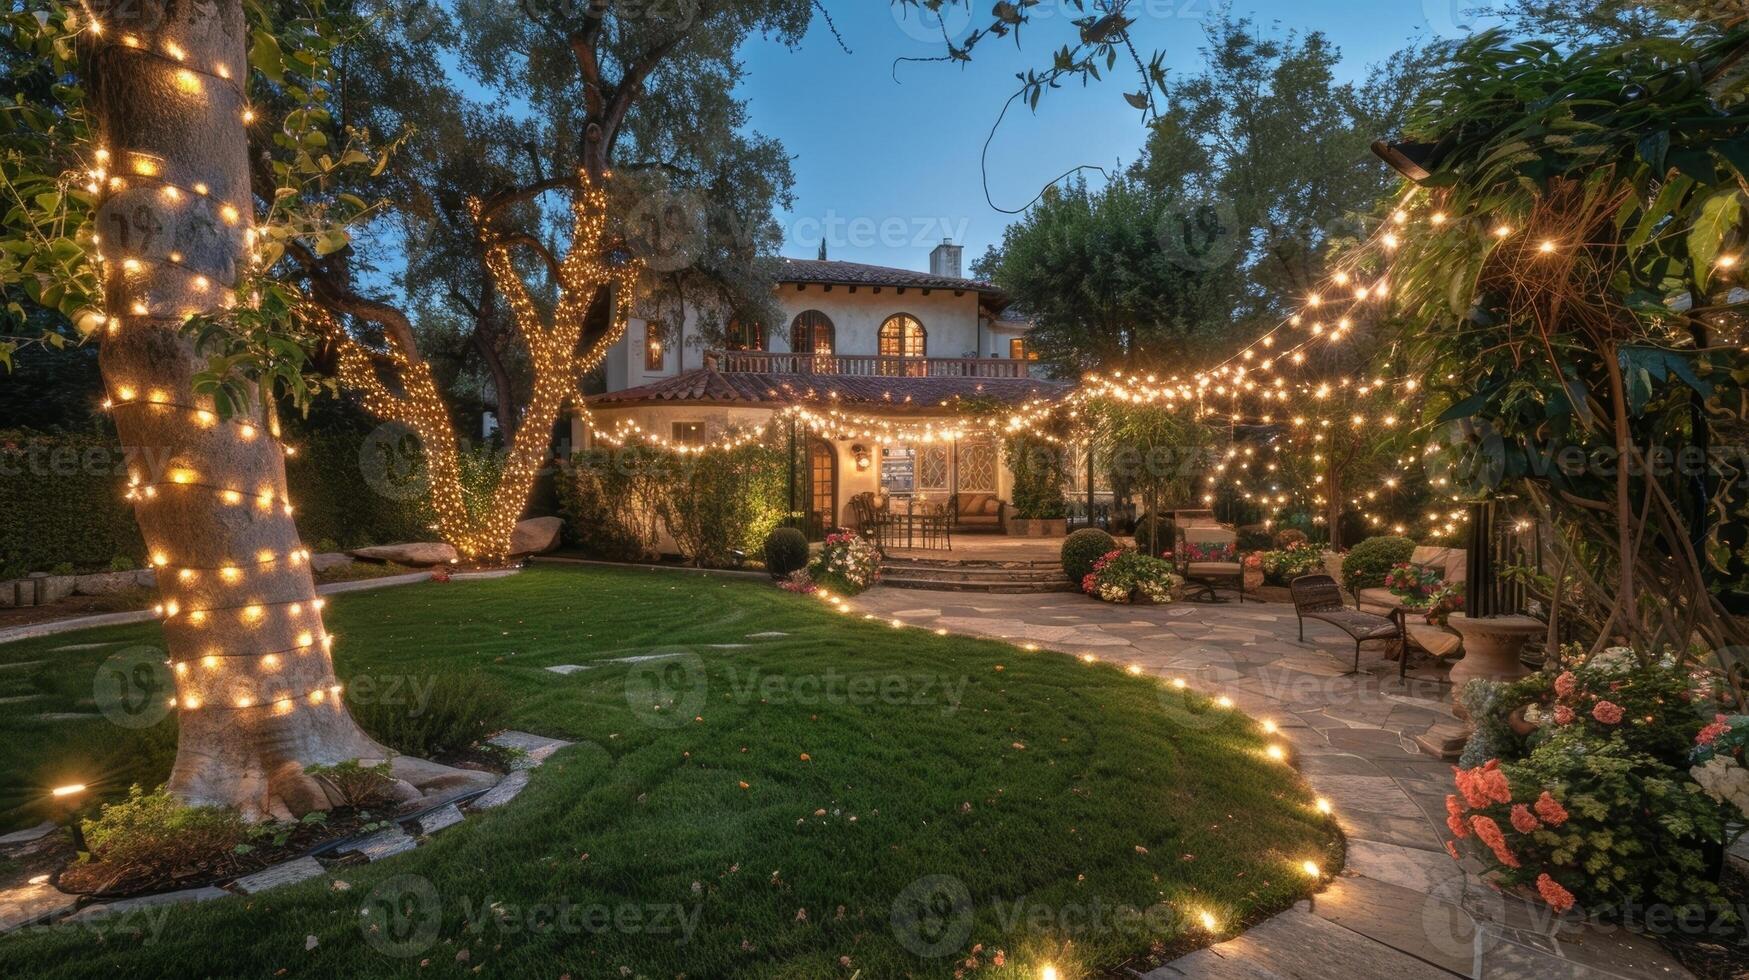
(1489, 833)
(1550, 810)
(1566, 684)
(1563, 715)
(1523, 820)
(1551, 891)
(1607, 712)
(1712, 732)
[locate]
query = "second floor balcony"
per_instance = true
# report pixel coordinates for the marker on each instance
(868, 365)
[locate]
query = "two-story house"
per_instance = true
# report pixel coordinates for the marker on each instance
(889, 347)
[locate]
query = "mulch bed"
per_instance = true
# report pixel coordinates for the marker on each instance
(106, 880)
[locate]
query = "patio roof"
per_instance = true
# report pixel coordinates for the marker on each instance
(712, 387)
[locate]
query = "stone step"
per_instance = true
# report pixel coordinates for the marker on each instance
(974, 574)
(996, 588)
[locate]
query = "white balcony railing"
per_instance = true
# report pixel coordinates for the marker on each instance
(868, 365)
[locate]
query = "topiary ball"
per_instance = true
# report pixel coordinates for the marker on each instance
(1365, 566)
(786, 551)
(1082, 549)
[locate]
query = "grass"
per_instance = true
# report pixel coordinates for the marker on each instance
(1038, 795)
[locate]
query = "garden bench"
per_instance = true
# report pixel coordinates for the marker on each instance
(1319, 597)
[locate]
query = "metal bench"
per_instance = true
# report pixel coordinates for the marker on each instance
(1319, 597)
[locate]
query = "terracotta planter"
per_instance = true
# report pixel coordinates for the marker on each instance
(1253, 579)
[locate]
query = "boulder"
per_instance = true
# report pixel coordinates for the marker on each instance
(105, 583)
(419, 554)
(329, 559)
(535, 535)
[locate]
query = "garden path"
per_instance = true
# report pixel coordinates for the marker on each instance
(1401, 909)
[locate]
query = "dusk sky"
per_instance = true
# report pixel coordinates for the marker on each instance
(889, 168)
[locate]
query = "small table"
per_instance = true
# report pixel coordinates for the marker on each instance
(1492, 645)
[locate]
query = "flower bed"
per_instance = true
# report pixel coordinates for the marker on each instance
(1282, 566)
(847, 564)
(1607, 785)
(1130, 576)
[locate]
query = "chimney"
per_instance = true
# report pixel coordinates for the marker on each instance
(945, 260)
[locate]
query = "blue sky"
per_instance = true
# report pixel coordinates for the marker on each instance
(886, 169)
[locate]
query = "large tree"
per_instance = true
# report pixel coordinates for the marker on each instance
(255, 687)
(1119, 275)
(633, 101)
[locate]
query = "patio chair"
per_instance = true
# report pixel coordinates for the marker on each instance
(872, 521)
(1319, 597)
(1203, 574)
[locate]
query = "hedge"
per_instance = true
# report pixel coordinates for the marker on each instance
(64, 506)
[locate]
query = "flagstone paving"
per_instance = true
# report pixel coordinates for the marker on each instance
(1401, 909)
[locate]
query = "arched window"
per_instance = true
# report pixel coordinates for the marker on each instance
(745, 336)
(903, 336)
(811, 333)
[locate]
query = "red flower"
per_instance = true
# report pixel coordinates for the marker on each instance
(1712, 732)
(1550, 810)
(1563, 715)
(1489, 833)
(1469, 784)
(1451, 849)
(1558, 898)
(1523, 820)
(1607, 712)
(1566, 684)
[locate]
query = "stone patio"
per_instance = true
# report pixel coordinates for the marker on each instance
(1401, 909)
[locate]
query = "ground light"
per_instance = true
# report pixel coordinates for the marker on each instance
(69, 794)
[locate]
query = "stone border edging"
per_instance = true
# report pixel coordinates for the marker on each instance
(53, 627)
(728, 572)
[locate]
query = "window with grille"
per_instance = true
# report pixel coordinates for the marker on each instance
(903, 336)
(811, 333)
(653, 345)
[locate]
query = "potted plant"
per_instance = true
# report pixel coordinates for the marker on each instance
(1253, 571)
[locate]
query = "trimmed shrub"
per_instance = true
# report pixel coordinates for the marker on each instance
(1166, 533)
(1082, 549)
(1039, 475)
(786, 551)
(1288, 537)
(1367, 564)
(1255, 537)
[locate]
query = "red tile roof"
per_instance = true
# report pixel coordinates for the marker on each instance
(710, 386)
(832, 272)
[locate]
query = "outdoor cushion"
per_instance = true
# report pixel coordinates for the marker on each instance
(1213, 568)
(1452, 564)
(979, 508)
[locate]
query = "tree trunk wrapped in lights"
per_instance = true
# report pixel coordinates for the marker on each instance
(398, 385)
(255, 685)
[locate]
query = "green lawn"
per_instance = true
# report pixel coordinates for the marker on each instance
(1083, 814)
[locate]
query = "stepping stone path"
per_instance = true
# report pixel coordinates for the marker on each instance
(770, 635)
(278, 876)
(34, 901)
(566, 670)
(30, 836)
(1401, 909)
